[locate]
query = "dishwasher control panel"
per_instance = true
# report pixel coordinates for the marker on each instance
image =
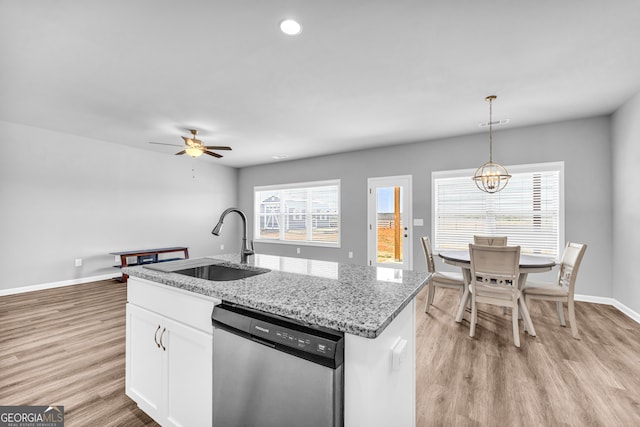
(291, 338)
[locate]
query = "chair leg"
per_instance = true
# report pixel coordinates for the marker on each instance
(560, 310)
(527, 318)
(426, 300)
(431, 289)
(572, 319)
(474, 316)
(463, 303)
(432, 294)
(516, 329)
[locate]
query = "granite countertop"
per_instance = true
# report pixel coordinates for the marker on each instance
(355, 299)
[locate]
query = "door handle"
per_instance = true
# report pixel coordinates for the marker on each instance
(155, 337)
(161, 336)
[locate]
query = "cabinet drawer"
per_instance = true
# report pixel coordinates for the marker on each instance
(187, 307)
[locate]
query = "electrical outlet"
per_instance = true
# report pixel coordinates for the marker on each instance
(298, 250)
(350, 254)
(222, 247)
(78, 262)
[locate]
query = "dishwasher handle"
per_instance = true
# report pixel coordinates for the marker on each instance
(263, 342)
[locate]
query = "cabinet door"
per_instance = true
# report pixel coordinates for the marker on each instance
(144, 360)
(188, 375)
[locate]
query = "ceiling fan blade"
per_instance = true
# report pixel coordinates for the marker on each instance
(180, 152)
(216, 147)
(162, 143)
(212, 154)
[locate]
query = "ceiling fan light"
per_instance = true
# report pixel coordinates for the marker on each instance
(193, 151)
(189, 141)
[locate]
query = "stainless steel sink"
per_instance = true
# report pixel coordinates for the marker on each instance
(222, 272)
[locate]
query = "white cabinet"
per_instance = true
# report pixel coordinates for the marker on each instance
(169, 353)
(188, 376)
(144, 360)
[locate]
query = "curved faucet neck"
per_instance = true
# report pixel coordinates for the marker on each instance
(244, 251)
(238, 211)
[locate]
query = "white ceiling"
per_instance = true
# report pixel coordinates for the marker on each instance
(362, 73)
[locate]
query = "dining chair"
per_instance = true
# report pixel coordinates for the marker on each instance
(490, 240)
(563, 288)
(494, 280)
(439, 278)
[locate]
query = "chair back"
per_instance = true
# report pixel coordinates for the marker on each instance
(571, 259)
(494, 270)
(490, 240)
(428, 253)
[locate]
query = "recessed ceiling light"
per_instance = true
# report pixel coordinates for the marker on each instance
(290, 27)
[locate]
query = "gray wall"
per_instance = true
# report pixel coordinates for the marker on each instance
(64, 197)
(626, 202)
(584, 145)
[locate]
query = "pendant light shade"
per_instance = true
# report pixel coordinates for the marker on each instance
(491, 177)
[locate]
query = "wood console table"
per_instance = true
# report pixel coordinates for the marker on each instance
(148, 256)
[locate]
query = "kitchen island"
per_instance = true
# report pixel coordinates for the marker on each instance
(373, 307)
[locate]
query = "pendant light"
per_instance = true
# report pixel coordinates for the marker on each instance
(491, 177)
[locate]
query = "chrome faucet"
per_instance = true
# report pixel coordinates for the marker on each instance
(244, 250)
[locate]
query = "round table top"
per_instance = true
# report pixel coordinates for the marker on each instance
(526, 261)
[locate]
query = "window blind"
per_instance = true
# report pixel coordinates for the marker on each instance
(529, 210)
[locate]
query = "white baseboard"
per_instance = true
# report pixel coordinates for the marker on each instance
(52, 285)
(609, 301)
(626, 310)
(596, 300)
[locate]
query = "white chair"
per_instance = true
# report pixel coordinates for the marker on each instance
(442, 279)
(494, 280)
(563, 289)
(490, 240)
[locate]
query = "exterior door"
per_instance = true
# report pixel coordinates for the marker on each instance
(389, 222)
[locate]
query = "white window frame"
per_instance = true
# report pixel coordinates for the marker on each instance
(300, 186)
(513, 170)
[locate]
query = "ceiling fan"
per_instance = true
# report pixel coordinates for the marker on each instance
(194, 147)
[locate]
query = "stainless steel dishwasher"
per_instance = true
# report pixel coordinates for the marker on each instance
(269, 371)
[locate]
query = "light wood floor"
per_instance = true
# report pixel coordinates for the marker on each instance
(552, 380)
(65, 346)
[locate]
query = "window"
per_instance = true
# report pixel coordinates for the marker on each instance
(304, 213)
(530, 210)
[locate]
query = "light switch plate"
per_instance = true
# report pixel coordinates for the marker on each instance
(419, 222)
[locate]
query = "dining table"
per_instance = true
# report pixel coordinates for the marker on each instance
(528, 264)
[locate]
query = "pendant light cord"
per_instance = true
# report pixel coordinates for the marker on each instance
(490, 99)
